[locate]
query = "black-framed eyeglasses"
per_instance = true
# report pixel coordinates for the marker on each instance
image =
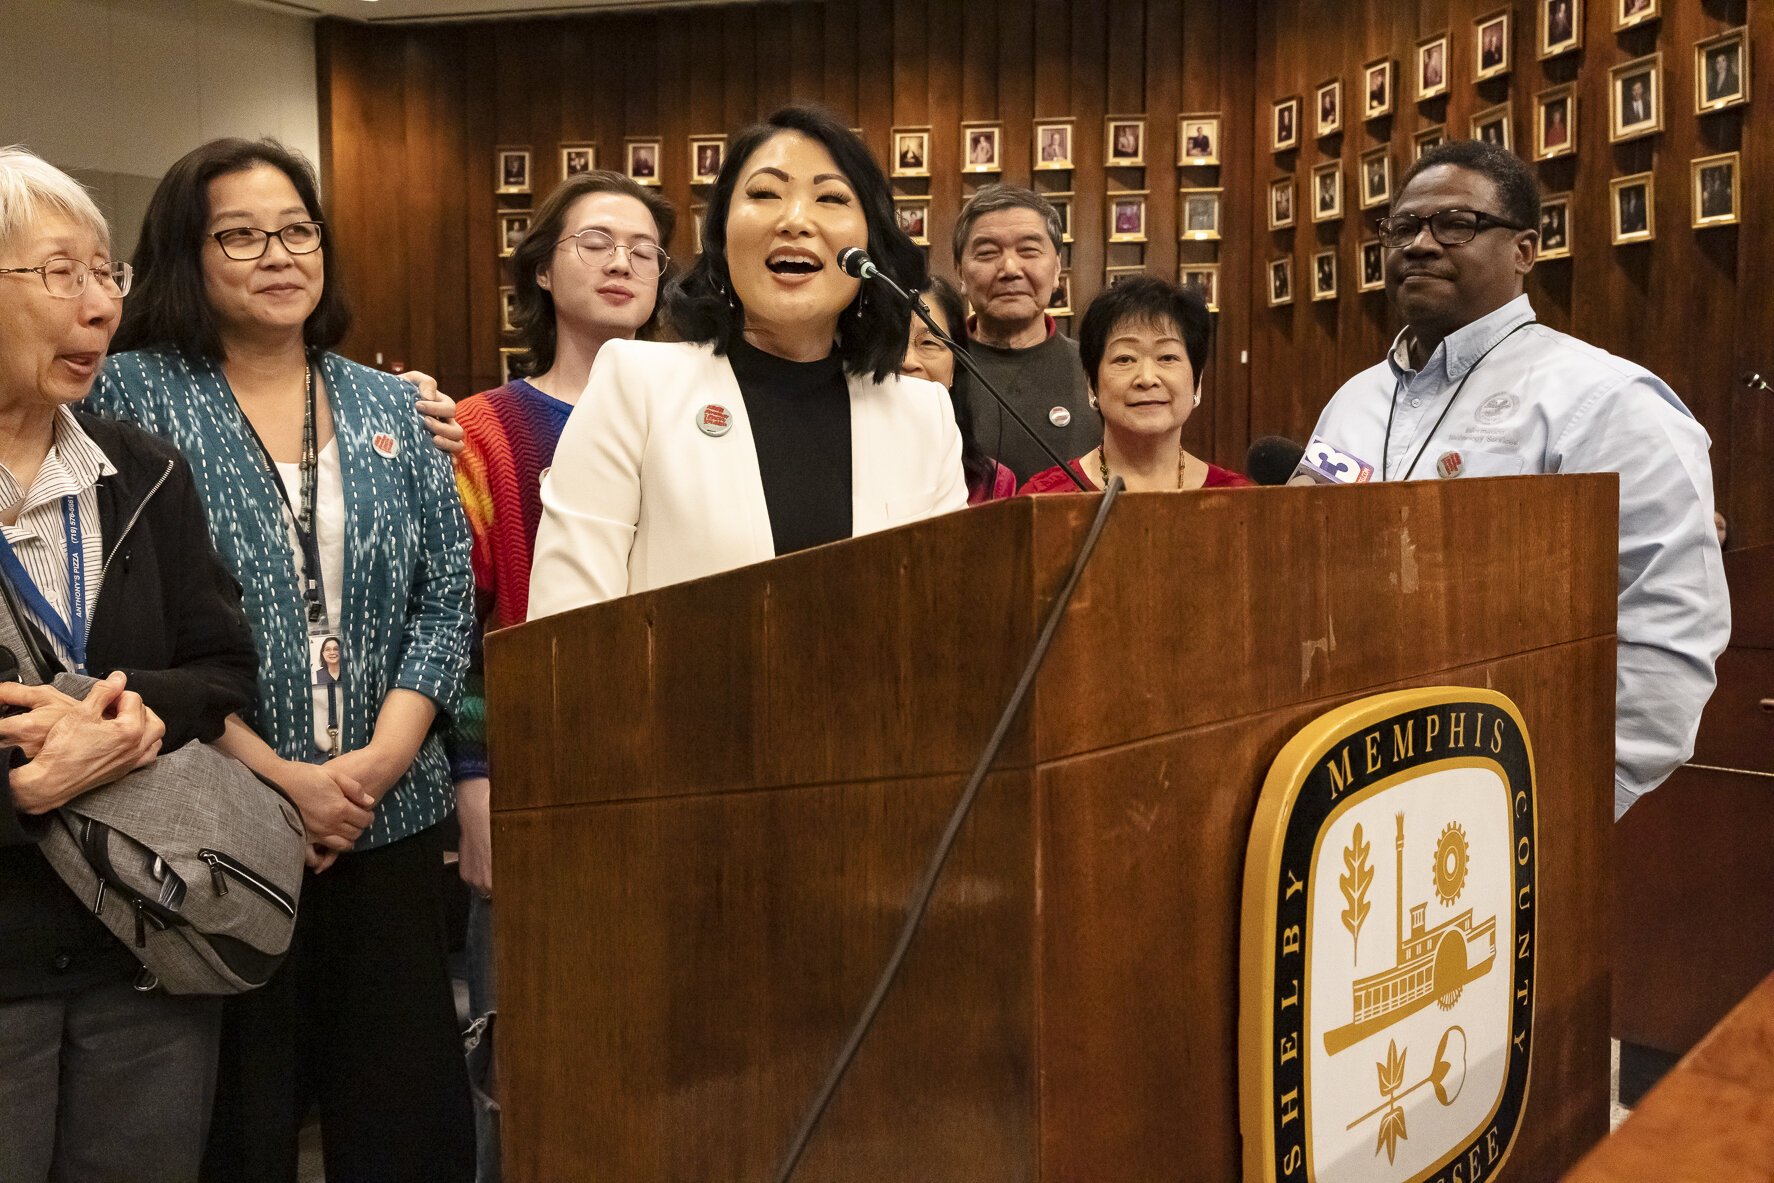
(65, 279)
(249, 242)
(595, 247)
(1449, 227)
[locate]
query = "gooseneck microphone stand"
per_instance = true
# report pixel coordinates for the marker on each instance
(855, 263)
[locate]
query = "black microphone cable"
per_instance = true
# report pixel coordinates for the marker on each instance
(920, 901)
(854, 262)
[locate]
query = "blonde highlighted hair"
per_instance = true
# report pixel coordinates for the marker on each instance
(31, 187)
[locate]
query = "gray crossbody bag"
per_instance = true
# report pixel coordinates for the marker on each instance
(195, 863)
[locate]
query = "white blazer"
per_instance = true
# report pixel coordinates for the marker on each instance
(640, 496)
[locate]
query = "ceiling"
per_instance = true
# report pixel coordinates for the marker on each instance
(397, 11)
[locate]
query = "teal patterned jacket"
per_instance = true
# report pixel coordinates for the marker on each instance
(407, 604)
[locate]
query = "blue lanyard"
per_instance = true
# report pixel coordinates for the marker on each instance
(70, 634)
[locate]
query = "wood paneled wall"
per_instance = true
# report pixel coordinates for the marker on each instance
(1691, 305)
(411, 117)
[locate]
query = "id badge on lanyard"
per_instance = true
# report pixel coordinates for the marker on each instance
(69, 632)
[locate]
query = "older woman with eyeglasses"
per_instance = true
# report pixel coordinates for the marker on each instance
(586, 273)
(779, 422)
(106, 568)
(342, 523)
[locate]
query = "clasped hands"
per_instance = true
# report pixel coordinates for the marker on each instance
(337, 799)
(75, 744)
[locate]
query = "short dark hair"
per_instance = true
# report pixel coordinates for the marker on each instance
(1518, 190)
(978, 467)
(996, 198)
(534, 317)
(168, 307)
(1148, 300)
(872, 330)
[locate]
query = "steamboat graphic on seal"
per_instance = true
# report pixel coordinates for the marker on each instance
(1433, 964)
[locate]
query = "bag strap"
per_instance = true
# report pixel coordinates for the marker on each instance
(15, 635)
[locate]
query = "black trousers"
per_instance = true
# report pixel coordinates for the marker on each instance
(361, 1019)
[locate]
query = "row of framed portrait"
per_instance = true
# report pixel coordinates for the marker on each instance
(1721, 80)
(1198, 218)
(1124, 145)
(1203, 277)
(642, 160)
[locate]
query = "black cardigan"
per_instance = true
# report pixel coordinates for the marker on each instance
(168, 615)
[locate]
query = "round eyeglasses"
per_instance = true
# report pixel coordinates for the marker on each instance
(249, 242)
(1449, 227)
(65, 279)
(596, 248)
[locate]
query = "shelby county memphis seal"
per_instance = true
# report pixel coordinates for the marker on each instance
(1387, 978)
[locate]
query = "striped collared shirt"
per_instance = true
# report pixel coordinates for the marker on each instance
(73, 466)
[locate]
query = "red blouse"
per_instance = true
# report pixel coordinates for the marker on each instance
(1053, 480)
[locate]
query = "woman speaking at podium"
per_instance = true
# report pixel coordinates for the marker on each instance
(778, 422)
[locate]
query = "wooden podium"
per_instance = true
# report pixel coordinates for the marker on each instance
(714, 799)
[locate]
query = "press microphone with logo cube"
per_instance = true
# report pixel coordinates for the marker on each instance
(1323, 464)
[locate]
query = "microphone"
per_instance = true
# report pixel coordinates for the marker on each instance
(1755, 381)
(1321, 464)
(855, 262)
(1272, 459)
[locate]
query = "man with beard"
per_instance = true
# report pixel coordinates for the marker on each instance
(1475, 386)
(1007, 250)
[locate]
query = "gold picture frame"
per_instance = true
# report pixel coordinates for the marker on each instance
(911, 212)
(1198, 139)
(1707, 190)
(1053, 145)
(1372, 275)
(1555, 122)
(1205, 278)
(1379, 88)
(1327, 108)
(1432, 67)
(1632, 208)
(642, 159)
(910, 148)
(577, 159)
(1281, 281)
(1376, 177)
(1127, 215)
(1635, 112)
(1630, 14)
(1284, 124)
(1124, 141)
(1433, 136)
(1283, 206)
(511, 169)
(1492, 48)
(982, 148)
(1198, 214)
(1731, 89)
(1555, 226)
(707, 154)
(1327, 192)
(1495, 125)
(1324, 275)
(1560, 28)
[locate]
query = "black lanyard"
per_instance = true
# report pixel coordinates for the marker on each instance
(1386, 447)
(302, 517)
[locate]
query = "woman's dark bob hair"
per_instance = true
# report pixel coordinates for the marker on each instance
(167, 307)
(872, 330)
(534, 318)
(1145, 300)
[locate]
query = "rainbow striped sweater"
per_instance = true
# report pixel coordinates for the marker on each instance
(511, 436)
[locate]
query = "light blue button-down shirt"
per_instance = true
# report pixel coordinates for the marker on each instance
(1546, 402)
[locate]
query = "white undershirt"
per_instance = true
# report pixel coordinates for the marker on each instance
(329, 527)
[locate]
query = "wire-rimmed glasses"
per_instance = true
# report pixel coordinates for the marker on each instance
(65, 279)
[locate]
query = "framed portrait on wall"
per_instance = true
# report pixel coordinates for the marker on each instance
(1127, 216)
(1324, 275)
(1199, 215)
(577, 159)
(513, 225)
(1493, 126)
(1204, 278)
(911, 152)
(1281, 282)
(513, 170)
(1373, 267)
(1717, 189)
(507, 363)
(1062, 205)
(1115, 275)
(1555, 122)
(1376, 177)
(1721, 71)
(1629, 14)
(913, 216)
(1561, 27)
(640, 160)
(1327, 192)
(1328, 105)
(698, 212)
(1633, 205)
(1198, 140)
(1430, 137)
(1635, 94)
(1432, 67)
(1555, 226)
(1124, 141)
(1281, 203)
(507, 309)
(981, 146)
(1284, 124)
(1060, 303)
(707, 154)
(1378, 80)
(1490, 36)
(1053, 145)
